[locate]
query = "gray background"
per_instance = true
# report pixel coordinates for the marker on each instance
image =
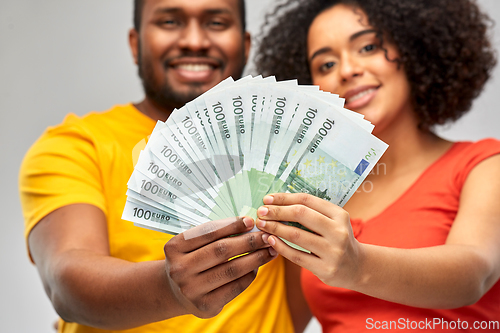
(60, 56)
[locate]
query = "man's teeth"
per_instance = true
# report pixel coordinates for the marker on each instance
(195, 67)
(361, 94)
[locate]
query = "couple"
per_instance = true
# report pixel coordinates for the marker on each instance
(421, 245)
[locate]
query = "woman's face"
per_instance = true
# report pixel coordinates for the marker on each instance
(345, 58)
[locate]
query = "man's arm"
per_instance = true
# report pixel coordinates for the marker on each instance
(299, 310)
(86, 285)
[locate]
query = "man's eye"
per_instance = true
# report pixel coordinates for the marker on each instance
(327, 66)
(170, 22)
(216, 24)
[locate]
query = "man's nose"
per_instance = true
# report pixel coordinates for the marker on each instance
(194, 37)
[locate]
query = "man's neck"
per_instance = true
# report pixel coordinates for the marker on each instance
(153, 111)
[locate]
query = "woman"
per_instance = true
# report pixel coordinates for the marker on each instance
(421, 250)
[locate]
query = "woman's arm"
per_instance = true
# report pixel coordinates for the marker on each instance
(456, 274)
(86, 285)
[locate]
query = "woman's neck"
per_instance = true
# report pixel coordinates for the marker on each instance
(410, 149)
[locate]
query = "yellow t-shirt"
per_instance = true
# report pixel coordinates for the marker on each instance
(89, 160)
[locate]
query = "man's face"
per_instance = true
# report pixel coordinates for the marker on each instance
(185, 48)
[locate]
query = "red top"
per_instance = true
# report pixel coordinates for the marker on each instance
(421, 217)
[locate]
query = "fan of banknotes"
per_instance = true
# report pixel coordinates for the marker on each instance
(220, 154)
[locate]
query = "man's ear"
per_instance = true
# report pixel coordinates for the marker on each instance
(247, 44)
(133, 41)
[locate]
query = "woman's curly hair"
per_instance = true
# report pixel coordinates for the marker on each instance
(444, 48)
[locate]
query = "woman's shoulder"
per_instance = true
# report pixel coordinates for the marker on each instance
(482, 145)
(473, 151)
(464, 156)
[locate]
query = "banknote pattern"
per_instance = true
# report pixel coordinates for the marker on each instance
(220, 154)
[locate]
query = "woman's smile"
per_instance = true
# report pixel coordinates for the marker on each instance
(359, 97)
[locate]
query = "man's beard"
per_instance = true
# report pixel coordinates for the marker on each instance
(164, 96)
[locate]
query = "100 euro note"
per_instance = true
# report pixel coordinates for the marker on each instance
(225, 110)
(173, 158)
(325, 153)
(157, 186)
(241, 140)
(273, 124)
(291, 118)
(331, 161)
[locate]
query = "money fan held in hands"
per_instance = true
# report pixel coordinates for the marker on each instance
(220, 154)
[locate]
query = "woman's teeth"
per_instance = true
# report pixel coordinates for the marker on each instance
(361, 94)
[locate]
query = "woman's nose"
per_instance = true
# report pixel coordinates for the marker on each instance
(349, 68)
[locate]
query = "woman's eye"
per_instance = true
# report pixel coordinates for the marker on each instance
(369, 48)
(327, 66)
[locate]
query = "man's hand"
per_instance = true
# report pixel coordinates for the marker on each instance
(198, 265)
(88, 286)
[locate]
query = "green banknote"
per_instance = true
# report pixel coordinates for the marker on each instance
(220, 154)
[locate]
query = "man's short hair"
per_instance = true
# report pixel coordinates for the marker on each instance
(139, 4)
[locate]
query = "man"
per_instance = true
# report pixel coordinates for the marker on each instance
(101, 272)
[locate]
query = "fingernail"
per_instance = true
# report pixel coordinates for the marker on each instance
(271, 241)
(260, 223)
(262, 211)
(265, 237)
(272, 252)
(268, 200)
(248, 222)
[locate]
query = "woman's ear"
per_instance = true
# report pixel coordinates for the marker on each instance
(247, 43)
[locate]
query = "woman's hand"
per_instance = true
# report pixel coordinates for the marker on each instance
(335, 253)
(450, 275)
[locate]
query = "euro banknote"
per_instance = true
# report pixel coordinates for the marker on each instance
(220, 154)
